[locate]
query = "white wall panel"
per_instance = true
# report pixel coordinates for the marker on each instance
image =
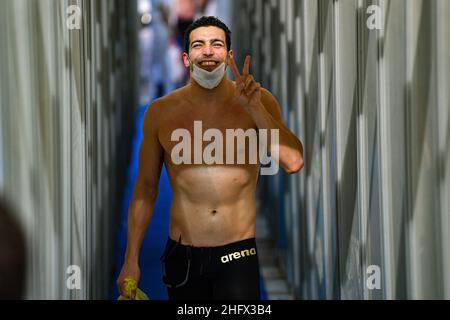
(60, 135)
(372, 109)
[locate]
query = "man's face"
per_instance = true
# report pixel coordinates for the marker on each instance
(207, 48)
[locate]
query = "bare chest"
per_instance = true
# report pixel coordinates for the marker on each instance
(201, 126)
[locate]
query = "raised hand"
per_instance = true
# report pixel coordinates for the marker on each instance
(248, 91)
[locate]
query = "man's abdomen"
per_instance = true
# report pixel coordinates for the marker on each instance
(213, 205)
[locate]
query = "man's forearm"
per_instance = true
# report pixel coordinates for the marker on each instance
(290, 147)
(139, 215)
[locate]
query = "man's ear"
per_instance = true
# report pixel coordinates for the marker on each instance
(230, 56)
(185, 59)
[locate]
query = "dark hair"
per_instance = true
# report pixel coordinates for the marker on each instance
(207, 21)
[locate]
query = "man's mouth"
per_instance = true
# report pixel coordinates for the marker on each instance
(208, 63)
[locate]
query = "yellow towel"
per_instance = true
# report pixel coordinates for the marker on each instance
(130, 285)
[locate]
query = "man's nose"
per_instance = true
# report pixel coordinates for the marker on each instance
(207, 50)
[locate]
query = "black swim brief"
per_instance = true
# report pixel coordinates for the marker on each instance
(228, 272)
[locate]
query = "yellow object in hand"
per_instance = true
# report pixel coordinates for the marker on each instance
(130, 285)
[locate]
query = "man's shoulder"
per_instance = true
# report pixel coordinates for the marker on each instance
(171, 99)
(266, 94)
(270, 103)
(268, 99)
(163, 107)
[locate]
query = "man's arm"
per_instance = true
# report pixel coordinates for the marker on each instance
(144, 194)
(290, 147)
(265, 111)
(145, 188)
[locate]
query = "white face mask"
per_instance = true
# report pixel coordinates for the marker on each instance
(208, 79)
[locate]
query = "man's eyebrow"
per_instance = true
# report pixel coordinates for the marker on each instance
(202, 41)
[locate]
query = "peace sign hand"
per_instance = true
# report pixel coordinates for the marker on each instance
(248, 91)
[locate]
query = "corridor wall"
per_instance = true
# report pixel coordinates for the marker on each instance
(364, 85)
(68, 94)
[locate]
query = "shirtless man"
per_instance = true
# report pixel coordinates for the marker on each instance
(211, 250)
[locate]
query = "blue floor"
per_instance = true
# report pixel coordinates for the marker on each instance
(157, 232)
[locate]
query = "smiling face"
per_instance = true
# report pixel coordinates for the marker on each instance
(207, 48)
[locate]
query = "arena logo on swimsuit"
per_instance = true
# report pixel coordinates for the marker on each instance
(213, 152)
(238, 255)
